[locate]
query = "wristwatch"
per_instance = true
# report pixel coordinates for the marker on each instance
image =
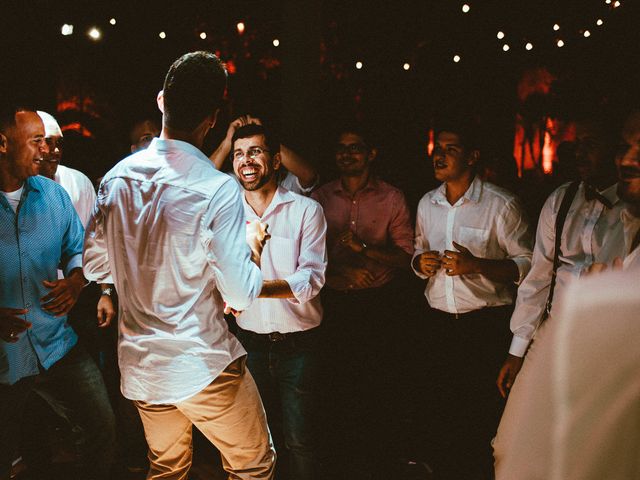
(107, 291)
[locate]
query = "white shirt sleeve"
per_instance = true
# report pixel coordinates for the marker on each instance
(514, 237)
(223, 236)
(95, 257)
(534, 289)
(309, 277)
(421, 244)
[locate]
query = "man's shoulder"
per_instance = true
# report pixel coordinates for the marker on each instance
(47, 186)
(497, 193)
(79, 178)
(326, 189)
(428, 197)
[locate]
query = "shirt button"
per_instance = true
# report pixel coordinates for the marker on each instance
(354, 202)
(353, 222)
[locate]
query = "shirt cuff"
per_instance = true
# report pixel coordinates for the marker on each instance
(518, 346)
(300, 287)
(524, 265)
(74, 262)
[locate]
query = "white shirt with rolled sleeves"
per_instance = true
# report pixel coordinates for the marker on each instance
(296, 253)
(80, 189)
(592, 233)
(489, 221)
(170, 229)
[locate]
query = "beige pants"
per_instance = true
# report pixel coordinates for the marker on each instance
(228, 412)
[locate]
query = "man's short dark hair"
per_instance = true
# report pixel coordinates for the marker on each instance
(363, 131)
(193, 89)
(465, 127)
(253, 129)
(8, 115)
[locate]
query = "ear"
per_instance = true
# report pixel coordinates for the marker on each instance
(373, 153)
(3, 143)
(133, 148)
(160, 101)
(213, 118)
(474, 157)
(277, 161)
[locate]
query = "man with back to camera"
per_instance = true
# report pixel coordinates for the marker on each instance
(280, 330)
(472, 244)
(170, 229)
(39, 352)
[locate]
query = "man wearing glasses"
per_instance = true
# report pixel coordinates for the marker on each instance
(369, 239)
(280, 329)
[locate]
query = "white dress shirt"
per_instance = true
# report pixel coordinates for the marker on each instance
(296, 253)
(170, 229)
(80, 189)
(489, 221)
(592, 233)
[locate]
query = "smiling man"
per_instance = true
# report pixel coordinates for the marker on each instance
(472, 246)
(39, 353)
(280, 329)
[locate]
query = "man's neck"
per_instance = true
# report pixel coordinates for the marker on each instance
(195, 137)
(353, 184)
(259, 200)
(8, 182)
(456, 189)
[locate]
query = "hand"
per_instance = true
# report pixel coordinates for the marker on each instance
(257, 235)
(597, 267)
(64, 293)
(241, 122)
(228, 309)
(350, 240)
(428, 263)
(106, 312)
(11, 325)
(508, 374)
(356, 277)
(459, 263)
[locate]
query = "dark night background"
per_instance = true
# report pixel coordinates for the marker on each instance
(309, 83)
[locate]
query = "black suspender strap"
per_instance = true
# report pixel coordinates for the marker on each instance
(567, 199)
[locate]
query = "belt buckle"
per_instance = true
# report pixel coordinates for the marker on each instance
(276, 336)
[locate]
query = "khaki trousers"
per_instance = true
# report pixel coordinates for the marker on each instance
(228, 412)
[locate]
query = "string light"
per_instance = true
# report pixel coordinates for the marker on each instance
(599, 22)
(608, 2)
(276, 42)
(240, 28)
(94, 34)
(556, 27)
(465, 8)
(112, 21)
(456, 58)
(529, 46)
(500, 35)
(616, 4)
(66, 29)
(505, 47)
(406, 66)
(560, 43)
(162, 35)
(586, 34)
(203, 35)
(358, 65)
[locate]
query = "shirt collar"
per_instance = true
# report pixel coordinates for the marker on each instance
(281, 196)
(163, 145)
(611, 193)
(372, 184)
(472, 194)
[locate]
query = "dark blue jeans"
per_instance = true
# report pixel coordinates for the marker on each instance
(74, 389)
(285, 372)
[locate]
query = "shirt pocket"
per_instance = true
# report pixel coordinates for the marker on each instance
(283, 254)
(475, 239)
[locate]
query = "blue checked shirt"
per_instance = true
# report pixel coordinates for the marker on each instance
(45, 233)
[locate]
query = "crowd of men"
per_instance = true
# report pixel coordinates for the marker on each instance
(310, 362)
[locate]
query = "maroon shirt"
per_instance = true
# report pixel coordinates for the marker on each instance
(377, 214)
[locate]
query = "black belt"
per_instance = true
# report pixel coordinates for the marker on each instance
(274, 336)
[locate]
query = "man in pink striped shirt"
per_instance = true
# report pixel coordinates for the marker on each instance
(369, 238)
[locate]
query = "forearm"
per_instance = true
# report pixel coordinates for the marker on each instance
(298, 166)
(275, 289)
(77, 277)
(393, 256)
(503, 271)
(221, 153)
